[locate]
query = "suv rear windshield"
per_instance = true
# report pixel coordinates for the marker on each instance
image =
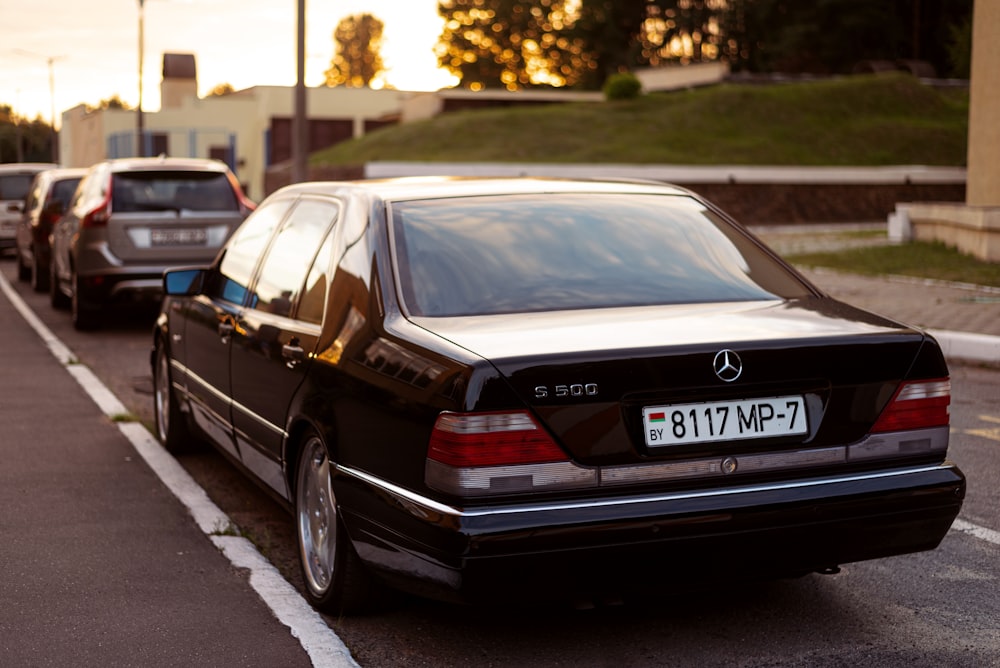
(523, 253)
(15, 186)
(176, 190)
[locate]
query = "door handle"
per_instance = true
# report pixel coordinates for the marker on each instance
(225, 331)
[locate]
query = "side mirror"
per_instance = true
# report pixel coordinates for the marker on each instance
(183, 282)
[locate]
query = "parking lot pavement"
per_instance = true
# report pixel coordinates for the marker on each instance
(99, 563)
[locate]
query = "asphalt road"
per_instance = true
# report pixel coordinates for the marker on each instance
(938, 608)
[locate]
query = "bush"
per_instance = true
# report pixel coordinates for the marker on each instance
(624, 86)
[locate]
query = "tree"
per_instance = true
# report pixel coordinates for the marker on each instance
(221, 89)
(357, 61)
(512, 43)
(113, 102)
(22, 140)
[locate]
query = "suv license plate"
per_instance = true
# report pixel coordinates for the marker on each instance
(707, 422)
(178, 237)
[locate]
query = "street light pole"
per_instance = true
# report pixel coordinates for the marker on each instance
(300, 131)
(138, 109)
(52, 97)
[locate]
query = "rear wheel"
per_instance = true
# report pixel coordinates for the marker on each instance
(335, 579)
(85, 316)
(39, 276)
(57, 297)
(23, 270)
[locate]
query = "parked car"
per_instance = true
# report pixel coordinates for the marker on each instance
(48, 197)
(132, 218)
(15, 180)
(484, 390)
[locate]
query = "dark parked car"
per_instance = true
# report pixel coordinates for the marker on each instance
(15, 180)
(132, 218)
(486, 389)
(48, 197)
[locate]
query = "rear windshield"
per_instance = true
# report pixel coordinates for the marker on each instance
(178, 190)
(15, 186)
(524, 253)
(62, 191)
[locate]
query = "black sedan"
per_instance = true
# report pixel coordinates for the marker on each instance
(484, 390)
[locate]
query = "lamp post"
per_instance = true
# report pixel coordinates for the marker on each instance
(300, 129)
(139, 149)
(52, 97)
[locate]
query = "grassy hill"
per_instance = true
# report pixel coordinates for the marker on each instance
(861, 120)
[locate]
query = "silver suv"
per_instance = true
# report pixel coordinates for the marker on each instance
(131, 219)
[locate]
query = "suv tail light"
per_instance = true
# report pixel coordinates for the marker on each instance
(916, 405)
(98, 216)
(473, 454)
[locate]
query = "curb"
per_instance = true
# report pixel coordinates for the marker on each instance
(968, 347)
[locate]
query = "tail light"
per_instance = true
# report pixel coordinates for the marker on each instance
(916, 405)
(98, 216)
(473, 454)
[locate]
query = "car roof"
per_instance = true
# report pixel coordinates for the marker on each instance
(409, 188)
(26, 167)
(162, 163)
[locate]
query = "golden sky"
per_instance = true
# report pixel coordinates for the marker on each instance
(93, 46)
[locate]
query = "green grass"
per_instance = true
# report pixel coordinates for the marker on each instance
(918, 259)
(858, 121)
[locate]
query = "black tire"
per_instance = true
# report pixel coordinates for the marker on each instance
(57, 297)
(336, 580)
(23, 270)
(85, 317)
(172, 428)
(39, 276)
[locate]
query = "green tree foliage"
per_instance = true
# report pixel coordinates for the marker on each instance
(512, 43)
(221, 89)
(357, 60)
(23, 140)
(113, 102)
(518, 43)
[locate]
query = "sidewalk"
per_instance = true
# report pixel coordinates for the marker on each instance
(964, 318)
(101, 564)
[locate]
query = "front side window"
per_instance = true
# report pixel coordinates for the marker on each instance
(232, 280)
(523, 253)
(283, 273)
(15, 186)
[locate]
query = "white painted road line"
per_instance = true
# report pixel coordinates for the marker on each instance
(324, 647)
(982, 533)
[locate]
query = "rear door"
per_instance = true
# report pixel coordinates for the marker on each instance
(277, 333)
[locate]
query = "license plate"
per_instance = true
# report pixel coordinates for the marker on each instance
(178, 237)
(707, 422)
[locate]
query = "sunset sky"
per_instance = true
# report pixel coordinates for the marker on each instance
(94, 46)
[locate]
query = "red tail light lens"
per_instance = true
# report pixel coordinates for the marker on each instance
(916, 405)
(491, 439)
(472, 454)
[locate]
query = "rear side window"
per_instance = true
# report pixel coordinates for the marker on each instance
(524, 253)
(172, 190)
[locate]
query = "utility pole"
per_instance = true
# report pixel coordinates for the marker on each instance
(139, 130)
(50, 60)
(300, 129)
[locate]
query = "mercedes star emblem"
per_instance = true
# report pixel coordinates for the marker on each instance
(728, 365)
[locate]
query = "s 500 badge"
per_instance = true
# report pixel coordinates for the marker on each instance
(561, 391)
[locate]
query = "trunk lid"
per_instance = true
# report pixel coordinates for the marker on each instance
(589, 375)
